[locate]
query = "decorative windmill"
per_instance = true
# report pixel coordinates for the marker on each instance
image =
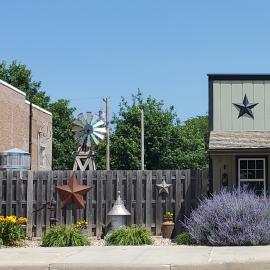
(88, 132)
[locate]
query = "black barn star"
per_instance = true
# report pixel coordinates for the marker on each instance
(245, 107)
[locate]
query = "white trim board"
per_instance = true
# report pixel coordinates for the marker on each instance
(12, 87)
(22, 93)
(37, 107)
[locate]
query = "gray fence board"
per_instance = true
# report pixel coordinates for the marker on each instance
(148, 202)
(1, 189)
(89, 199)
(29, 209)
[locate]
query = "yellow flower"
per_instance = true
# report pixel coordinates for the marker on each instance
(2, 219)
(81, 224)
(22, 220)
(11, 219)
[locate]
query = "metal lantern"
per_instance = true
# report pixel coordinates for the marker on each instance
(118, 213)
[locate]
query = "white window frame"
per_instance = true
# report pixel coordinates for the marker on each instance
(253, 180)
(42, 158)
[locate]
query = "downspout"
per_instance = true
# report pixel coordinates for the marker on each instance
(30, 132)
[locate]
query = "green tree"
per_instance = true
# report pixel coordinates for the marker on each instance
(20, 76)
(63, 142)
(168, 144)
(188, 149)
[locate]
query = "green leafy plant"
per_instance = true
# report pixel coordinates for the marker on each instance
(11, 230)
(184, 238)
(129, 236)
(64, 236)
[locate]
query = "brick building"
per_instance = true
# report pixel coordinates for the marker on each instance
(17, 123)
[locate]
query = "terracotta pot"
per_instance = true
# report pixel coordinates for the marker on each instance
(167, 229)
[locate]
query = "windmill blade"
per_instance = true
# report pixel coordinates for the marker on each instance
(79, 136)
(94, 119)
(89, 117)
(82, 119)
(101, 136)
(99, 123)
(77, 128)
(82, 139)
(88, 142)
(100, 130)
(78, 122)
(94, 139)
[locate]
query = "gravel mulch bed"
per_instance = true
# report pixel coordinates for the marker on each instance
(158, 241)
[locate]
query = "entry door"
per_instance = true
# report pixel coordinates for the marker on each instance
(251, 173)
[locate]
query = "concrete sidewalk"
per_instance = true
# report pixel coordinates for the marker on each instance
(143, 258)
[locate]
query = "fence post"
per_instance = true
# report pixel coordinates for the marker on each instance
(89, 204)
(29, 207)
(148, 203)
(1, 190)
(99, 204)
(130, 218)
(187, 193)
(138, 217)
(9, 193)
(159, 209)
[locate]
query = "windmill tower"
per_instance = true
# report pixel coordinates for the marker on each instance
(88, 132)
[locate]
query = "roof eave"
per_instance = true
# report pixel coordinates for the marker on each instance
(239, 150)
(238, 76)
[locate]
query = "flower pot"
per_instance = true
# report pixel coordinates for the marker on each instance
(167, 229)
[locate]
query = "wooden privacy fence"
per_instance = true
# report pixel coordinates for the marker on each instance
(29, 194)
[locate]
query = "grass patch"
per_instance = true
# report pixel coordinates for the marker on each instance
(184, 238)
(129, 236)
(64, 236)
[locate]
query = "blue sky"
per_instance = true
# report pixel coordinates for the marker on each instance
(85, 50)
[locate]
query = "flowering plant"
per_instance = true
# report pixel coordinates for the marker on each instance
(232, 218)
(11, 229)
(168, 216)
(81, 224)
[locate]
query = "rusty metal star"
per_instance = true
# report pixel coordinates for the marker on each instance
(73, 192)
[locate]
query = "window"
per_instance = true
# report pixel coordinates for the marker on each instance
(42, 156)
(251, 173)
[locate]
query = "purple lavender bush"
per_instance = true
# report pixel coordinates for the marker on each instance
(233, 218)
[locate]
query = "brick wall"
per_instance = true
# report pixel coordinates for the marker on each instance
(14, 126)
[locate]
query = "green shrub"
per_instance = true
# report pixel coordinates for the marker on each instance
(184, 238)
(11, 230)
(64, 236)
(129, 236)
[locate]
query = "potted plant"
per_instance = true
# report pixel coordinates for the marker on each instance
(81, 225)
(167, 224)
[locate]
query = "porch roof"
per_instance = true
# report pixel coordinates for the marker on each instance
(239, 140)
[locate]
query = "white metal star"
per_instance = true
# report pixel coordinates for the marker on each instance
(163, 187)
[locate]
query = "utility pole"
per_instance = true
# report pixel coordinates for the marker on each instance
(142, 140)
(107, 100)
